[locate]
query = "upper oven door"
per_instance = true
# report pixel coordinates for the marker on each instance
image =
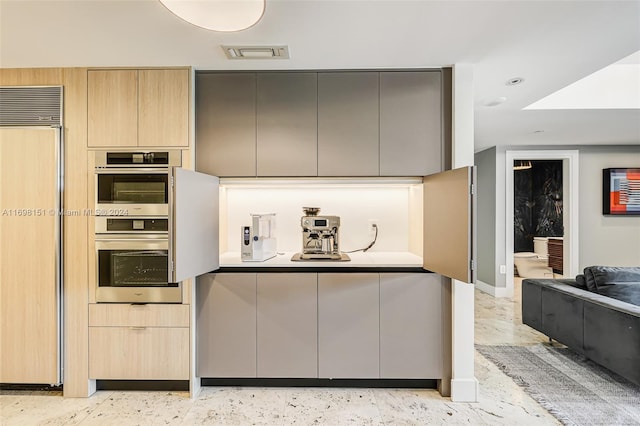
(128, 192)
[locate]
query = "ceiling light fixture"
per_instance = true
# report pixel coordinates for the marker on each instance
(521, 164)
(218, 15)
(514, 80)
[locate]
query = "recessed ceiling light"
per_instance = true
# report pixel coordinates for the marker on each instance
(514, 80)
(495, 102)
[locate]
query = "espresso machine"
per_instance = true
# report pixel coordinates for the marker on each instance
(320, 237)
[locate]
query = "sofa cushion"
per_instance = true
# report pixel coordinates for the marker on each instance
(581, 282)
(626, 292)
(589, 279)
(601, 276)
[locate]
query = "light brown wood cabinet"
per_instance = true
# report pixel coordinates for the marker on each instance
(145, 108)
(139, 342)
(29, 315)
(555, 250)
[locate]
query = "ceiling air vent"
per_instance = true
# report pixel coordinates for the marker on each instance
(256, 52)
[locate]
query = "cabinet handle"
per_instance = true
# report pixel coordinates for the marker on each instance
(137, 328)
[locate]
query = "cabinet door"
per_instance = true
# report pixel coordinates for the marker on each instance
(348, 325)
(163, 107)
(410, 123)
(449, 224)
(287, 133)
(226, 325)
(288, 325)
(226, 124)
(139, 353)
(112, 108)
(194, 226)
(410, 326)
(348, 124)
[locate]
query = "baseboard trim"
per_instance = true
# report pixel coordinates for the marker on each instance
(465, 390)
(494, 291)
(299, 382)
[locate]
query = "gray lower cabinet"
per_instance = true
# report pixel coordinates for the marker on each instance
(287, 325)
(226, 325)
(226, 124)
(287, 124)
(348, 325)
(410, 326)
(410, 123)
(348, 124)
(319, 325)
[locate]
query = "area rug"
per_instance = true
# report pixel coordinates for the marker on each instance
(573, 389)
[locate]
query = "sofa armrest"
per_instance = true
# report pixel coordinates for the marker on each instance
(563, 287)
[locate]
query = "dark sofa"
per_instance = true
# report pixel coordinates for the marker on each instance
(596, 315)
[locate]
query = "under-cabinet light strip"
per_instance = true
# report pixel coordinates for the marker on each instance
(319, 182)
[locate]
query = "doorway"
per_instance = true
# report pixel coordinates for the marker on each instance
(569, 161)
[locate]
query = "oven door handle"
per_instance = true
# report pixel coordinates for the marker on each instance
(133, 171)
(133, 244)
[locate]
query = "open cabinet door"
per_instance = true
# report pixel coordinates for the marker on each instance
(449, 224)
(194, 225)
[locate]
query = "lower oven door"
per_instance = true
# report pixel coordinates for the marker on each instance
(135, 270)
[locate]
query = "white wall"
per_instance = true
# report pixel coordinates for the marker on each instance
(606, 240)
(389, 205)
(486, 214)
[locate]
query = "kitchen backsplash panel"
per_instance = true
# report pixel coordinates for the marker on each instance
(389, 205)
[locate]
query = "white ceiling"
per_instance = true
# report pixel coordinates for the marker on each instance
(550, 44)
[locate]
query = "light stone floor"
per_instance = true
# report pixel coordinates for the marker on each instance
(498, 322)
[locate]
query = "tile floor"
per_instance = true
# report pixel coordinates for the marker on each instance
(498, 321)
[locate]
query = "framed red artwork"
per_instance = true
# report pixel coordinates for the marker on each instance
(621, 191)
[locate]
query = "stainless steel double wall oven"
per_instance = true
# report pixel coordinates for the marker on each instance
(134, 228)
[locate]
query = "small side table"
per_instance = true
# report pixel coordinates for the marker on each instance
(554, 246)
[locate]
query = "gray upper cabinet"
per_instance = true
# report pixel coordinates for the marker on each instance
(348, 124)
(410, 123)
(226, 124)
(287, 124)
